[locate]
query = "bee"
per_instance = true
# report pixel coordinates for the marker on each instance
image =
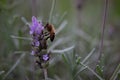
(50, 28)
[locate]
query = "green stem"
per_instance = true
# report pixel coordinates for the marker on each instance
(45, 73)
(51, 11)
(34, 7)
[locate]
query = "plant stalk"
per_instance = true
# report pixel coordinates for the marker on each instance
(34, 7)
(103, 28)
(45, 73)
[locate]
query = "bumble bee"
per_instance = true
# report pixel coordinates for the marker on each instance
(50, 28)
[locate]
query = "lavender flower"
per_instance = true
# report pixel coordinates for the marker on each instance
(45, 57)
(39, 42)
(36, 27)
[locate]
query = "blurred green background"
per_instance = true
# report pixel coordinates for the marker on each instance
(81, 27)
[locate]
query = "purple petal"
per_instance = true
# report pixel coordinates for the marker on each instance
(33, 53)
(39, 28)
(31, 30)
(45, 57)
(36, 26)
(34, 21)
(37, 43)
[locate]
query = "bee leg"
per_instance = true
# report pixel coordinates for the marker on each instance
(47, 37)
(46, 34)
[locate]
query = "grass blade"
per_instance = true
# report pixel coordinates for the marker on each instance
(85, 59)
(62, 17)
(25, 21)
(63, 50)
(17, 37)
(63, 25)
(14, 66)
(100, 78)
(51, 11)
(114, 76)
(88, 56)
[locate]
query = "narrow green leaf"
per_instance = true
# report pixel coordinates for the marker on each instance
(17, 37)
(114, 76)
(99, 70)
(52, 10)
(88, 56)
(99, 77)
(64, 58)
(14, 66)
